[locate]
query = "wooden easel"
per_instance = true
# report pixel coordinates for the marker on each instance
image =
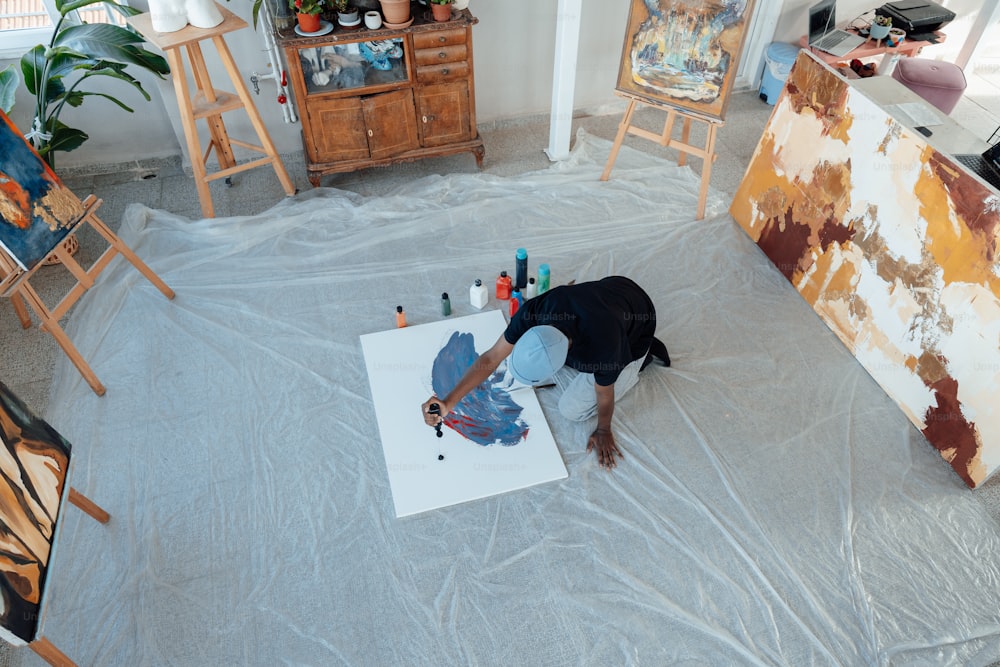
(45, 649)
(707, 154)
(209, 104)
(14, 283)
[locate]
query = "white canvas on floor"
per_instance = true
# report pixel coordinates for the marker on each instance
(427, 472)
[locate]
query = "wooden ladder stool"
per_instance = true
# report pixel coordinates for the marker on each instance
(209, 104)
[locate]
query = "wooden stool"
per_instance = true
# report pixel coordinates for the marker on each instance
(209, 104)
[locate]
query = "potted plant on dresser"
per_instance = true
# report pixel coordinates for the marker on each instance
(441, 9)
(308, 14)
(347, 15)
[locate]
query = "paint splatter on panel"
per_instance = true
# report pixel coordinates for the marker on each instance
(488, 414)
(894, 246)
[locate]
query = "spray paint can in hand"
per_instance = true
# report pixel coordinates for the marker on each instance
(521, 268)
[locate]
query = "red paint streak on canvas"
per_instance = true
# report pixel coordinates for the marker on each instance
(949, 431)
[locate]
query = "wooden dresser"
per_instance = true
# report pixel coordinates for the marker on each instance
(371, 98)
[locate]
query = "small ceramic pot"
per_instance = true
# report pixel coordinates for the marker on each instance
(896, 36)
(441, 13)
(876, 31)
(309, 22)
(373, 20)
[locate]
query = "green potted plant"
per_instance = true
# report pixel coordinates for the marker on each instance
(76, 53)
(441, 9)
(346, 14)
(879, 29)
(308, 13)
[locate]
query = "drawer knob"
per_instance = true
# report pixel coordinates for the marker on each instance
(445, 71)
(442, 55)
(370, 133)
(442, 39)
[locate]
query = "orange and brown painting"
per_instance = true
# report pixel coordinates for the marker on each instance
(33, 464)
(895, 247)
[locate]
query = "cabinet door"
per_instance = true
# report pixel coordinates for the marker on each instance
(444, 113)
(337, 130)
(392, 123)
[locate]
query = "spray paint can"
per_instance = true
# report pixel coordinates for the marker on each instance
(445, 304)
(503, 286)
(400, 317)
(521, 268)
(543, 278)
(515, 301)
(532, 290)
(479, 296)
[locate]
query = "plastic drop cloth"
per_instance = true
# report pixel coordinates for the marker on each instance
(774, 506)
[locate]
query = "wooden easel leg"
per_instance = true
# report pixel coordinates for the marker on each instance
(190, 130)
(51, 325)
(706, 170)
(254, 115)
(619, 138)
(88, 506)
(50, 654)
(127, 253)
(21, 310)
(685, 137)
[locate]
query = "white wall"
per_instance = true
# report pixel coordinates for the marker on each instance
(514, 51)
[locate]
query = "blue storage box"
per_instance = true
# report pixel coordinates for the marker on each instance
(777, 64)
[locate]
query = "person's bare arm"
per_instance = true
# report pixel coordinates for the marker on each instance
(481, 369)
(602, 439)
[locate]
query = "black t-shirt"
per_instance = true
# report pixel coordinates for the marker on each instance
(610, 323)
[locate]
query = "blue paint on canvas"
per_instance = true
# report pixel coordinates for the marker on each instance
(487, 415)
(36, 210)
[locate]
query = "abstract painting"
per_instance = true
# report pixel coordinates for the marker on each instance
(33, 463)
(684, 53)
(894, 245)
(36, 210)
(495, 440)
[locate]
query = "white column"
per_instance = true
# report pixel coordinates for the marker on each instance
(564, 78)
(988, 14)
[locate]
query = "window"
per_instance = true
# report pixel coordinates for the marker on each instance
(25, 23)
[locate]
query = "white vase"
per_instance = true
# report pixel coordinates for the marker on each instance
(203, 13)
(168, 15)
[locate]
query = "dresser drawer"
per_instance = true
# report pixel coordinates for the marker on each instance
(444, 54)
(430, 40)
(442, 73)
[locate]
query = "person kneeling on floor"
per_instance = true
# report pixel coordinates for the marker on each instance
(604, 330)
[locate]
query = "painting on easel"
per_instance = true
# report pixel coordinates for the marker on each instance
(34, 460)
(684, 53)
(36, 210)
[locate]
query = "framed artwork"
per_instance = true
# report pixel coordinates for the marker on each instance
(894, 245)
(684, 53)
(34, 460)
(496, 440)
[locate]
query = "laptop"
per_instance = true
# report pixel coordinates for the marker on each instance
(824, 36)
(986, 164)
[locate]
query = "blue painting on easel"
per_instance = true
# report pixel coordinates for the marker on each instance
(36, 210)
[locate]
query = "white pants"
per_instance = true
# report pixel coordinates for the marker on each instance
(579, 397)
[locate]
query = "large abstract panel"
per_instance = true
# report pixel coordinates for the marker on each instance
(684, 53)
(495, 440)
(33, 463)
(895, 247)
(36, 210)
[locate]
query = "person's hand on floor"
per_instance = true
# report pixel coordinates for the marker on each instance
(603, 442)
